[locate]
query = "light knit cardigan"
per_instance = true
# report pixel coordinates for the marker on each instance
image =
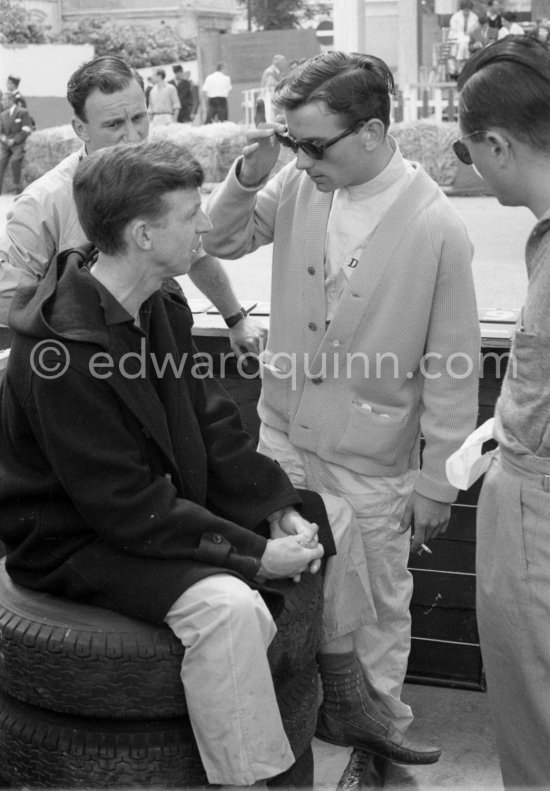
(401, 353)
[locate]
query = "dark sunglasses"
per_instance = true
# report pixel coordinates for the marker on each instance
(313, 150)
(461, 150)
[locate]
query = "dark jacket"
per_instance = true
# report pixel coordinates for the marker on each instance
(123, 488)
(15, 126)
(188, 94)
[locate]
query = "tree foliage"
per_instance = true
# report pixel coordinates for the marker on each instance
(138, 45)
(274, 14)
(18, 26)
(316, 11)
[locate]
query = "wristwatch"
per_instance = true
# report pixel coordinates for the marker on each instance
(236, 317)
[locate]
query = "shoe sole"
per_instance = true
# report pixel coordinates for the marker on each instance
(426, 760)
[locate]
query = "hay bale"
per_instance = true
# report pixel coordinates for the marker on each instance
(216, 146)
(46, 148)
(429, 143)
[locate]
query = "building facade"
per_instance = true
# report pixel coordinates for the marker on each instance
(187, 17)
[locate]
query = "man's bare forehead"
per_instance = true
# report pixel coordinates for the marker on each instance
(123, 103)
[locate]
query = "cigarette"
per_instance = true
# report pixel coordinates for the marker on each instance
(424, 548)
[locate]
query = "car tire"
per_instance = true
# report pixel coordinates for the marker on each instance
(86, 661)
(42, 748)
(91, 698)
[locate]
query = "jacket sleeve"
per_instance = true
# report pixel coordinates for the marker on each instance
(450, 365)
(243, 217)
(27, 245)
(24, 128)
(243, 485)
(82, 431)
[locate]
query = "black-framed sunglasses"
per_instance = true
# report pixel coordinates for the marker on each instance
(313, 150)
(462, 151)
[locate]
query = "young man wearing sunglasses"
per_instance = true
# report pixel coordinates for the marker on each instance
(373, 340)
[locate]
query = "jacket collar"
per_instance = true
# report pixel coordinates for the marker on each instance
(69, 304)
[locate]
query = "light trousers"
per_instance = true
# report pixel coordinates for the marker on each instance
(513, 612)
(226, 629)
(161, 119)
(382, 641)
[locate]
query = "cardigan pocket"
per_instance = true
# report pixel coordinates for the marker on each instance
(374, 432)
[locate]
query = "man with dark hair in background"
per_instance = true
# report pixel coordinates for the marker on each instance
(108, 102)
(273, 73)
(216, 88)
(12, 86)
(464, 27)
(188, 94)
(164, 104)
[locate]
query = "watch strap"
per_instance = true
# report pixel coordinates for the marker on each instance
(236, 317)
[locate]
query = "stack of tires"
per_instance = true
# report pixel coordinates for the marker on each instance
(93, 699)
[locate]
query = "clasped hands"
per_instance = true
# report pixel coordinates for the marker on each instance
(293, 547)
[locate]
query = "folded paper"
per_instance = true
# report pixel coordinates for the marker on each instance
(467, 464)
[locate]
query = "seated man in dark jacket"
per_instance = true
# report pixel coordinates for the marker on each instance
(127, 480)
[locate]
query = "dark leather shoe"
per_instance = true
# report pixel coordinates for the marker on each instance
(349, 717)
(364, 770)
(407, 751)
(357, 733)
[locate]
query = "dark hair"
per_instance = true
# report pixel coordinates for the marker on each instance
(15, 80)
(357, 87)
(160, 73)
(507, 85)
(108, 73)
(177, 68)
(509, 16)
(115, 185)
(465, 4)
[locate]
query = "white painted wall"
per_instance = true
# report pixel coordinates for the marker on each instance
(43, 68)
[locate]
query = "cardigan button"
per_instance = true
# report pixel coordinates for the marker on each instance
(311, 270)
(217, 539)
(312, 326)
